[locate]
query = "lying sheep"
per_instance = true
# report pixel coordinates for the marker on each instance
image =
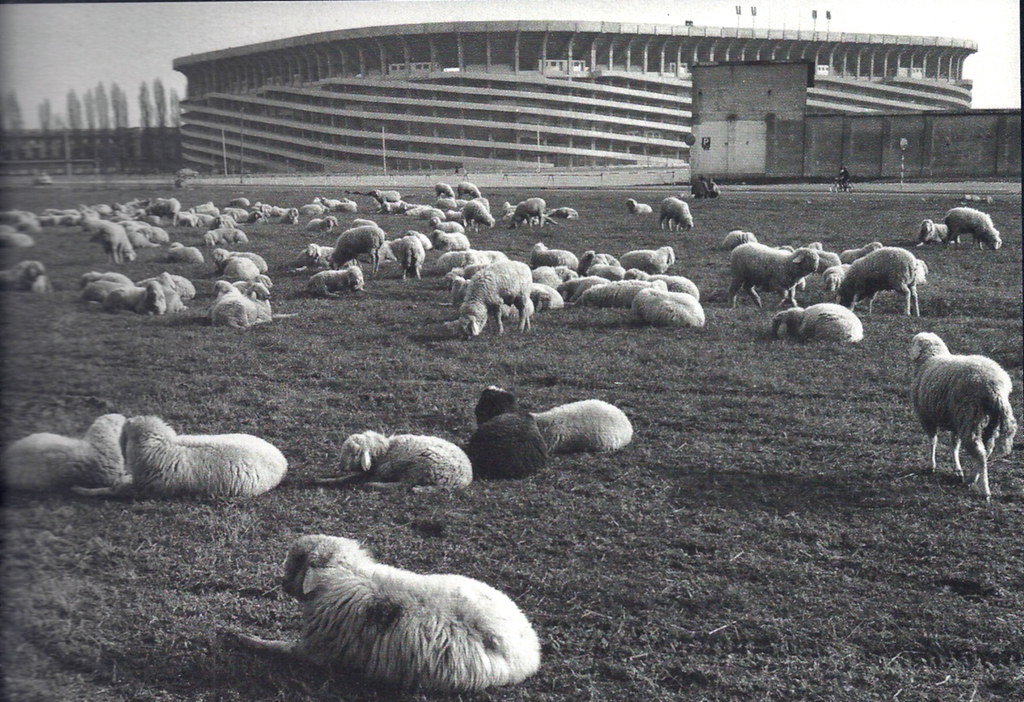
(440, 224)
(825, 321)
(562, 213)
(758, 266)
(171, 283)
(609, 272)
(240, 268)
(546, 275)
(541, 255)
(313, 209)
(53, 462)
(851, 255)
(362, 240)
(931, 232)
(592, 426)
(313, 256)
(163, 463)
(221, 258)
(26, 276)
(407, 252)
(967, 220)
(13, 239)
(887, 268)
(380, 461)
(676, 214)
(662, 308)
(321, 225)
(449, 241)
(507, 447)
(436, 632)
(618, 294)
(591, 257)
(674, 283)
(232, 308)
(179, 253)
(638, 208)
(149, 299)
(502, 283)
(968, 396)
(224, 236)
(545, 297)
(737, 237)
(649, 260)
(331, 283)
(572, 290)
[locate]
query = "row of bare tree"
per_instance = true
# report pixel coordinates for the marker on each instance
(98, 109)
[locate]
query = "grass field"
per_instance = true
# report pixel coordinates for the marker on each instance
(768, 535)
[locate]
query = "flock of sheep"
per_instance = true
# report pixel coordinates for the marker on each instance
(449, 632)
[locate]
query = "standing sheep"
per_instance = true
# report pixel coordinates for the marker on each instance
(530, 211)
(676, 214)
(407, 252)
(114, 239)
(737, 237)
(966, 395)
(503, 283)
(887, 268)
(662, 308)
(758, 266)
(833, 276)
(825, 321)
(649, 260)
(381, 461)
(475, 213)
(467, 190)
(967, 220)
(851, 255)
(364, 239)
(162, 462)
(52, 462)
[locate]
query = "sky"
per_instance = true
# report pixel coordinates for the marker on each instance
(47, 49)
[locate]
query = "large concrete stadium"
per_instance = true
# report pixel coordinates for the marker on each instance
(511, 95)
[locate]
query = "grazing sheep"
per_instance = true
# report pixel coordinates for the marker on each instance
(444, 190)
(164, 207)
(26, 276)
(448, 227)
(737, 237)
(502, 283)
(449, 241)
(638, 208)
(545, 297)
(163, 463)
(322, 225)
(887, 268)
(541, 255)
(457, 289)
(233, 308)
(530, 211)
(508, 446)
(649, 260)
(851, 255)
(619, 293)
(113, 237)
(759, 266)
(467, 190)
(313, 256)
(379, 461)
(663, 308)
(591, 426)
(674, 283)
(179, 253)
(967, 220)
(149, 299)
(676, 214)
(833, 277)
(365, 239)
(932, 232)
(825, 321)
(460, 259)
(53, 462)
(331, 283)
(407, 252)
(966, 395)
(445, 632)
(475, 213)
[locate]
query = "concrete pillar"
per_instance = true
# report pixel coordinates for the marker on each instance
(515, 54)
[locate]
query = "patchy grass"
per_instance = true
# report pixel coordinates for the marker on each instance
(768, 534)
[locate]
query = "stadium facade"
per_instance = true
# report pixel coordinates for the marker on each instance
(499, 95)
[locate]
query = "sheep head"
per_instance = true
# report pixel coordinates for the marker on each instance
(926, 345)
(359, 451)
(155, 301)
(311, 559)
(788, 322)
(927, 232)
(493, 401)
(804, 260)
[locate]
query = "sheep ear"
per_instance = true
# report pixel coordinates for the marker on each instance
(364, 460)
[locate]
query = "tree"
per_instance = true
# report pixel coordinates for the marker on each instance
(175, 109)
(45, 115)
(102, 107)
(159, 98)
(119, 106)
(90, 110)
(58, 122)
(74, 110)
(12, 119)
(145, 107)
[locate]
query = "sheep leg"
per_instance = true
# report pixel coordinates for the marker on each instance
(99, 492)
(956, 458)
(935, 444)
(977, 450)
(917, 308)
(497, 316)
(255, 643)
(337, 482)
(757, 298)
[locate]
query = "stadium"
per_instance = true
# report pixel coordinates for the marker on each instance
(499, 95)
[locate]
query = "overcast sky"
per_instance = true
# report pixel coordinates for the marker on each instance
(48, 49)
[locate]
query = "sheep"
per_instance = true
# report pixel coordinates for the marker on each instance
(223, 221)
(322, 225)
(164, 207)
(239, 268)
(459, 259)
(207, 208)
(26, 276)
(177, 284)
(149, 299)
(438, 223)
(545, 297)
(465, 189)
(445, 241)
(138, 238)
(423, 239)
(342, 205)
(530, 210)
(638, 208)
(440, 632)
(232, 308)
(826, 259)
(619, 293)
(114, 239)
(330, 283)
(47, 461)
(676, 214)
(407, 252)
(239, 202)
(458, 286)
(572, 290)
(185, 219)
(398, 207)
(674, 283)
(649, 260)
(446, 203)
(737, 237)
(314, 209)
(364, 239)
(475, 213)
(11, 239)
(833, 277)
(546, 275)
(851, 255)
(385, 196)
(968, 396)
(590, 257)
(379, 461)
(887, 268)
(179, 253)
(313, 256)
(587, 426)
(443, 190)
(967, 220)
(505, 282)
(281, 216)
(604, 271)
(508, 446)
(562, 213)
(220, 237)
(932, 232)
(759, 266)
(161, 462)
(541, 255)
(825, 321)
(667, 309)
(221, 258)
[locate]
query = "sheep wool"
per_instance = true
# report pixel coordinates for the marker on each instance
(851, 255)
(662, 308)
(618, 293)
(331, 283)
(406, 458)
(968, 396)
(967, 220)
(541, 255)
(509, 446)
(825, 321)
(758, 266)
(649, 260)
(887, 268)
(545, 297)
(502, 283)
(675, 213)
(52, 462)
(674, 283)
(737, 237)
(26, 276)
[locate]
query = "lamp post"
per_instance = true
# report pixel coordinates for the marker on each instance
(903, 152)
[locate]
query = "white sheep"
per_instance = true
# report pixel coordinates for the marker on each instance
(591, 257)
(618, 293)
(221, 257)
(737, 237)
(437, 632)
(638, 208)
(605, 271)
(758, 266)
(545, 297)
(179, 253)
(313, 209)
(240, 268)
(546, 275)
(47, 461)
(887, 268)
(649, 260)
(150, 299)
(449, 241)
(502, 283)
(531, 211)
(171, 283)
(330, 283)
(932, 232)
(465, 189)
(967, 220)
(380, 461)
(26, 276)
(222, 236)
(825, 321)
(676, 214)
(10, 238)
(457, 286)
(232, 308)
(163, 463)
(851, 255)
(365, 239)
(460, 259)
(833, 276)
(313, 256)
(444, 190)
(407, 252)
(474, 213)
(445, 226)
(674, 283)
(561, 213)
(541, 255)
(966, 395)
(325, 224)
(571, 290)
(113, 237)
(663, 308)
